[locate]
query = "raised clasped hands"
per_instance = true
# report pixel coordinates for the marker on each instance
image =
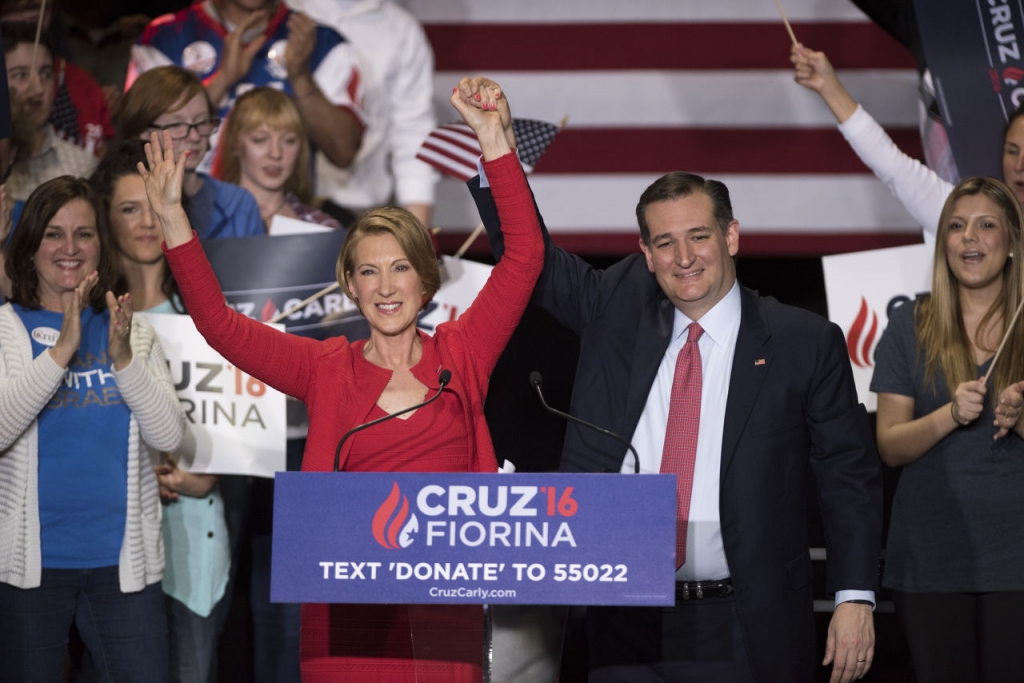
(1008, 409)
(484, 107)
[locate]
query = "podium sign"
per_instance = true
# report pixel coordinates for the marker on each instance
(546, 539)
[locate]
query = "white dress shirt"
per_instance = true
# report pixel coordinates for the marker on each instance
(705, 552)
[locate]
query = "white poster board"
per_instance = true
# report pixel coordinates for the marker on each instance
(461, 282)
(238, 421)
(862, 288)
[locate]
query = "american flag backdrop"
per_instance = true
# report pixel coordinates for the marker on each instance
(705, 86)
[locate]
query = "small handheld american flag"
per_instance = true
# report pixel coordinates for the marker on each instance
(452, 148)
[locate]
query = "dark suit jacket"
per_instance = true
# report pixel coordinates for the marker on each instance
(793, 414)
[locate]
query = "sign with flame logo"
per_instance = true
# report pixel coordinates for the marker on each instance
(575, 539)
(860, 341)
(862, 289)
(390, 528)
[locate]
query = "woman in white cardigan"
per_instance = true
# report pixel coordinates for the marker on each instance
(82, 386)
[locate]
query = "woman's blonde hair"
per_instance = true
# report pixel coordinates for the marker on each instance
(412, 237)
(278, 111)
(941, 334)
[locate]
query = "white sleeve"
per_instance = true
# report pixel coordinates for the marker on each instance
(23, 397)
(148, 390)
(411, 108)
(919, 189)
(339, 79)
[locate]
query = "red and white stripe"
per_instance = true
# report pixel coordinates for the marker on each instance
(652, 86)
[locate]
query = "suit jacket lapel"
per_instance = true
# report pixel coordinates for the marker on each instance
(750, 365)
(652, 339)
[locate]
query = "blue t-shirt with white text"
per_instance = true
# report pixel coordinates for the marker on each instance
(83, 449)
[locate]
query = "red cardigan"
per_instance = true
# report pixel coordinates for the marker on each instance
(323, 374)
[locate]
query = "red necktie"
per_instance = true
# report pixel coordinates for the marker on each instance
(680, 452)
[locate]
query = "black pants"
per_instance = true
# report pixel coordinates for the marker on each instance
(698, 641)
(964, 637)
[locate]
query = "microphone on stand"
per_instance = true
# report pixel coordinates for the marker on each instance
(442, 380)
(536, 380)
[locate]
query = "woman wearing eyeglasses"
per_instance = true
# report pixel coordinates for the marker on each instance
(172, 99)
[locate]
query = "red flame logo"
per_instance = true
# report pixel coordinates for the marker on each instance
(857, 342)
(269, 311)
(387, 523)
(1012, 74)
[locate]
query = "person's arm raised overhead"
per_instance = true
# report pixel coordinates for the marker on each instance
(164, 179)
(919, 189)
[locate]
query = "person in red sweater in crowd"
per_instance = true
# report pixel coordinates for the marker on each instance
(387, 266)
(81, 113)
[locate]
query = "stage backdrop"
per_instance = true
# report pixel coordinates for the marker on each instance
(658, 85)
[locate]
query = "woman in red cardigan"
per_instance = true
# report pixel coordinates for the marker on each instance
(388, 268)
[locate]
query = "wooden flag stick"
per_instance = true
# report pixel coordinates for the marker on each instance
(477, 231)
(305, 302)
(39, 33)
(785, 21)
(1006, 336)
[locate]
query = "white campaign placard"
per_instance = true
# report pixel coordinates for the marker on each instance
(238, 421)
(862, 289)
(462, 281)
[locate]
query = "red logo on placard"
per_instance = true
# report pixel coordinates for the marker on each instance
(389, 522)
(1012, 75)
(268, 311)
(859, 342)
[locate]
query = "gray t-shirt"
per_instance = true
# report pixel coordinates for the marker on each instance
(958, 513)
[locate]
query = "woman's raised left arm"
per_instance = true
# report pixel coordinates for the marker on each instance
(494, 315)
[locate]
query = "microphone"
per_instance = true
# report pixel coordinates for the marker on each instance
(442, 380)
(536, 380)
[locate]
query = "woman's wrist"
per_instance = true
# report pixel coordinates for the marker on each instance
(493, 144)
(953, 414)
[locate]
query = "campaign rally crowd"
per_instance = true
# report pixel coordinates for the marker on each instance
(130, 144)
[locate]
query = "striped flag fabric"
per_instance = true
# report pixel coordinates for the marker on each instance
(653, 86)
(452, 148)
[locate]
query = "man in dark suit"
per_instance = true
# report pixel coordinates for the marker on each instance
(777, 403)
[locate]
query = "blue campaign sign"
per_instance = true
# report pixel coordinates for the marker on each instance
(547, 539)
